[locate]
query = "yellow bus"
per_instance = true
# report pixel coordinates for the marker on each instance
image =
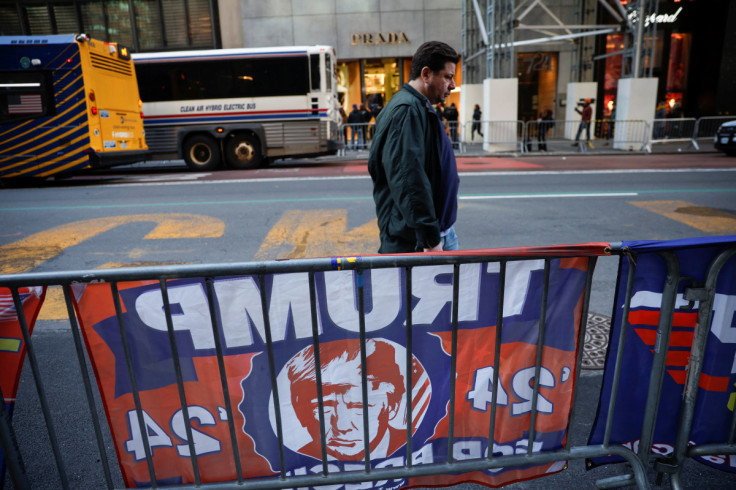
(67, 102)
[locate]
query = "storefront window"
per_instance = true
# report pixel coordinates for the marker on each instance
(381, 81)
(677, 68)
(614, 43)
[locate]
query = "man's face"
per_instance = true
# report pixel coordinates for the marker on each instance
(344, 409)
(439, 84)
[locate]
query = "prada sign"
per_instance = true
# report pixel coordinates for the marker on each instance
(377, 38)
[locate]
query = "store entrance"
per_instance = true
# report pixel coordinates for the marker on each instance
(537, 84)
(381, 80)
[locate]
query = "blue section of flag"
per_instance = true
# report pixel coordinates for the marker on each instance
(712, 417)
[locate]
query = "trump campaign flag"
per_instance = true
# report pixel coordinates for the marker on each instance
(715, 397)
(12, 345)
(271, 324)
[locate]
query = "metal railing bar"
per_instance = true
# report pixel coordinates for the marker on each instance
(409, 370)
(133, 384)
(462, 466)
(273, 374)
(318, 372)
(497, 357)
(453, 361)
(710, 449)
(667, 311)
(33, 361)
(538, 360)
(252, 268)
(87, 384)
(620, 352)
(363, 370)
(10, 449)
(179, 380)
(581, 341)
(209, 290)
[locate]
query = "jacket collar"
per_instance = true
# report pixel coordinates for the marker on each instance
(420, 96)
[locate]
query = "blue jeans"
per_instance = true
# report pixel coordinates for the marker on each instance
(449, 241)
(586, 126)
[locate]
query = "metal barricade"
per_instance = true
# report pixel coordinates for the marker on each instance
(357, 137)
(673, 130)
(667, 338)
(75, 472)
(560, 136)
(492, 136)
(706, 127)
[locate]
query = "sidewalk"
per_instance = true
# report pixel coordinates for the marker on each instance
(558, 147)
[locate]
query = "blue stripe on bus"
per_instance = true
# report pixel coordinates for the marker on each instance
(214, 119)
(48, 149)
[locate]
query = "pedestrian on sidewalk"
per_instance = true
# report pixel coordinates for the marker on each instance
(452, 116)
(411, 161)
(586, 116)
(476, 122)
(355, 121)
(544, 124)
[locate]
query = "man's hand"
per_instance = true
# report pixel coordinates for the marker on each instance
(436, 248)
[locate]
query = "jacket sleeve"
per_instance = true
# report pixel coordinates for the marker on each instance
(404, 157)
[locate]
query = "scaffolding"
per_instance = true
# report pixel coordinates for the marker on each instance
(492, 29)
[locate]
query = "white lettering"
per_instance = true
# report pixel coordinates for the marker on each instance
(467, 450)
(342, 299)
(240, 310)
(518, 276)
(189, 312)
(648, 299)
(433, 295)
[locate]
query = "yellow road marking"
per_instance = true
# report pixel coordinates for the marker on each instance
(30, 252)
(54, 304)
(317, 233)
(705, 219)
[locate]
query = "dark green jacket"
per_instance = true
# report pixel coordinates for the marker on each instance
(404, 163)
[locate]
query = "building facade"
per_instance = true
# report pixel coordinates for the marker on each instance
(692, 55)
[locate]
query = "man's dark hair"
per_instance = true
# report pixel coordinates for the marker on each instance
(434, 55)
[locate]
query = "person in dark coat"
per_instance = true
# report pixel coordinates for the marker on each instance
(355, 121)
(411, 161)
(476, 122)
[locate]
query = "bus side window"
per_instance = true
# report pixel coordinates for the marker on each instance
(314, 71)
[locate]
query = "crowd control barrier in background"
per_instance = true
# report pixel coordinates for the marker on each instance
(559, 135)
(406, 370)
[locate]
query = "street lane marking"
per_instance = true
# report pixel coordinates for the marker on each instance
(705, 219)
(30, 252)
(54, 304)
(560, 194)
(317, 233)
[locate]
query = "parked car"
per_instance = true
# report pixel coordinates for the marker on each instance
(725, 139)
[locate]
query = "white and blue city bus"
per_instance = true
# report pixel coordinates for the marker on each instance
(239, 107)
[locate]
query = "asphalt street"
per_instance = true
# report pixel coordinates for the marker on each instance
(54, 342)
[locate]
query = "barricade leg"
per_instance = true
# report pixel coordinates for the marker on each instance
(10, 450)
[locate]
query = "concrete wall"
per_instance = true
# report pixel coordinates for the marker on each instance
(356, 28)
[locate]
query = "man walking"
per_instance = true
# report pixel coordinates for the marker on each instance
(411, 162)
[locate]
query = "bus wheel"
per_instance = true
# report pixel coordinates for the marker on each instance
(243, 152)
(201, 153)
